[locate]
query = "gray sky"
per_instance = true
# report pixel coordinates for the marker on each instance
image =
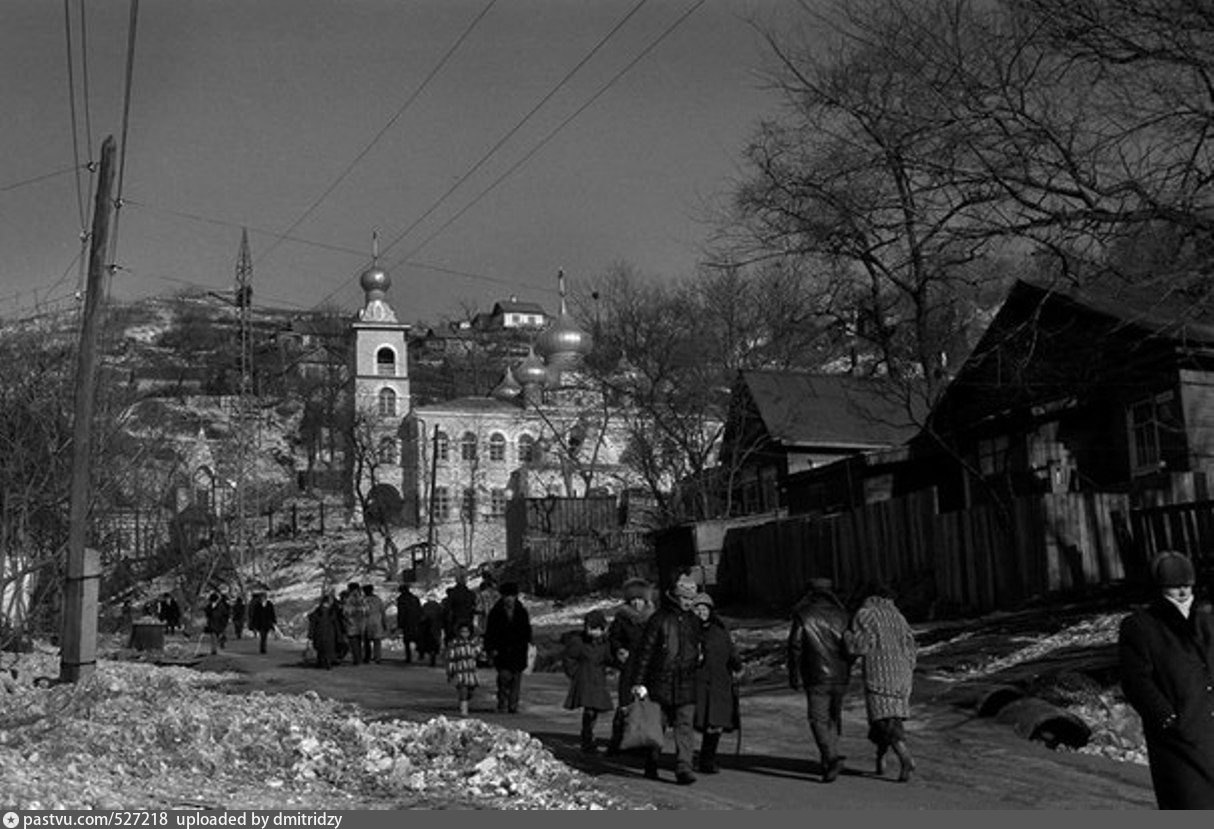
(328, 119)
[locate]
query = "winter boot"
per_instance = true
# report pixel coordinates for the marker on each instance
(881, 760)
(651, 764)
(904, 757)
(683, 776)
(833, 767)
(588, 718)
(708, 753)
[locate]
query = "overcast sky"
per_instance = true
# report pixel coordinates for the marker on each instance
(333, 120)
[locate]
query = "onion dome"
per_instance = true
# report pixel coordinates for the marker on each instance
(563, 344)
(532, 371)
(509, 388)
(375, 284)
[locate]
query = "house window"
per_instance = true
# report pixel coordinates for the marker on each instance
(992, 455)
(497, 447)
(497, 503)
(385, 362)
(440, 505)
(467, 447)
(468, 507)
(1148, 420)
(387, 403)
(526, 448)
(442, 447)
(387, 450)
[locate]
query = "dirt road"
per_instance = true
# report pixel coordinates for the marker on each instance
(964, 762)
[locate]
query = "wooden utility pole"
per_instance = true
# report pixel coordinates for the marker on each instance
(78, 654)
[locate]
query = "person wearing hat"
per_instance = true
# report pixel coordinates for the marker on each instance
(584, 659)
(818, 662)
(624, 638)
(1166, 654)
(665, 671)
(507, 639)
(716, 682)
(262, 618)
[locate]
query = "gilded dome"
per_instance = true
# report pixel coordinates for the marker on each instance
(531, 371)
(508, 388)
(374, 280)
(563, 343)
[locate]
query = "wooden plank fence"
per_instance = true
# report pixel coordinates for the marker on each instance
(1187, 528)
(974, 560)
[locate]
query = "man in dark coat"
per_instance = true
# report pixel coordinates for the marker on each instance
(507, 638)
(216, 613)
(818, 661)
(624, 638)
(408, 619)
(1166, 653)
(238, 615)
(262, 618)
(666, 672)
(459, 605)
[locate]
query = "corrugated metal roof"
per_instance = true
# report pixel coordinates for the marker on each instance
(800, 409)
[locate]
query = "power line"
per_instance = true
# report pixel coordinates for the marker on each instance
(602, 41)
(71, 98)
(510, 133)
(602, 90)
(26, 182)
(126, 120)
(375, 140)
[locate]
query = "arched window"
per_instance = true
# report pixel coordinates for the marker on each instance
(467, 447)
(526, 448)
(442, 447)
(497, 447)
(385, 362)
(440, 506)
(387, 450)
(387, 403)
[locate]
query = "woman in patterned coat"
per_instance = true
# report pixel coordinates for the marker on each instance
(880, 636)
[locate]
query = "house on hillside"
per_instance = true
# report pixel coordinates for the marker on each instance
(1099, 390)
(783, 423)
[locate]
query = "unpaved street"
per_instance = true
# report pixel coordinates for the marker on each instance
(964, 762)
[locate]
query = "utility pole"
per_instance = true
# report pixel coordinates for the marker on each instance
(78, 655)
(244, 413)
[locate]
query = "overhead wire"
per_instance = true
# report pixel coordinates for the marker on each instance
(26, 182)
(485, 157)
(126, 120)
(555, 131)
(384, 129)
(519, 125)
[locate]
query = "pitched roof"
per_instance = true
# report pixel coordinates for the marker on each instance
(1175, 310)
(516, 307)
(800, 409)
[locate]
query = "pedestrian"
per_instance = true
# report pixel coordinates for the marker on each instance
(430, 632)
(462, 652)
(216, 614)
(238, 615)
(880, 637)
(716, 682)
(408, 620)
(325, 630)
(354, 610)
(171, 611)
(819, 663)
(585, 658)
(624, 637)
(487, 595)
(507, 641)
(375, 626)
(262, 618)
(1166, 653)
(665, 671)
(459, 604)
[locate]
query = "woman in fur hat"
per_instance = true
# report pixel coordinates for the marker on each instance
(1166, 651)
(716, 682)
(624, 637)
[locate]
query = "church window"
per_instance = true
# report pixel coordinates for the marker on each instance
(497, 447)
(442, 447)
(526, 448)
(467, 447)
(440, 505)
(387, 403)
(385, 362)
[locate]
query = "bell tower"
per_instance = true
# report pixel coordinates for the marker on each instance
(381, 370)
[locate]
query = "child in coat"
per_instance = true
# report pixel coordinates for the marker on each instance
(462, 653)
(585, 659)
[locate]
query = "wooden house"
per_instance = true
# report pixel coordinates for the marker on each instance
(782, 423)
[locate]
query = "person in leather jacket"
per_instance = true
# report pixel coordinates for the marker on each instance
(818, 662)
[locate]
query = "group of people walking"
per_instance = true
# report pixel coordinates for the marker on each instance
(259, 616)
(824, 641)
(353, 622)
